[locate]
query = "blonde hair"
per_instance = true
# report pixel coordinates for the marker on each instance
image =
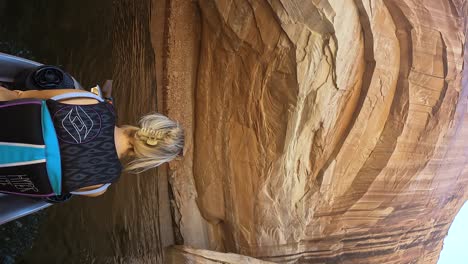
(158, 140)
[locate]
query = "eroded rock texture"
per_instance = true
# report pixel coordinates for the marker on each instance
(319, 131)
(184, 254)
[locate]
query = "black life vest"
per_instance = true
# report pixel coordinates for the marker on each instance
(49, 148)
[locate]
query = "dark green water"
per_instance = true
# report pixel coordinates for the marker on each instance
(75, 36)
(94, 41)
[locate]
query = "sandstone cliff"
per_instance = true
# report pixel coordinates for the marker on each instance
(317, 131)
(184, 254)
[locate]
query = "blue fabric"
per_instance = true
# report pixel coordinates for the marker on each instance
(11, 154)
(52, 151)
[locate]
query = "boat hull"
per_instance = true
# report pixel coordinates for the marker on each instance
(12, 206)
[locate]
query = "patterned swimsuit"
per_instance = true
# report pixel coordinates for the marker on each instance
(49, 148)
(86, 140)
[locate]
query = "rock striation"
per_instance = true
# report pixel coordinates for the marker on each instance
(318, 131)
(184, 254)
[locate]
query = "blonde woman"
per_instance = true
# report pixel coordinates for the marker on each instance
(66, 141)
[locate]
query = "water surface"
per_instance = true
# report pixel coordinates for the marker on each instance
(94, 41)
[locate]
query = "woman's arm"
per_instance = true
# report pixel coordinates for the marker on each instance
(7, 95)
(46, 94)
(89, 188)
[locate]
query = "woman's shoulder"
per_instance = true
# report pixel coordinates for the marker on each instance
(79, 101)
(92, 191)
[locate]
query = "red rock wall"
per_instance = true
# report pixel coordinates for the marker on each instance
(319, 131)
(184, 254)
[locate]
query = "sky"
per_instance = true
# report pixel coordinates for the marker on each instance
(455, 249)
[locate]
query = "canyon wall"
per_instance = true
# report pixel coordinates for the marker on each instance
(317, 131)
(184, 254)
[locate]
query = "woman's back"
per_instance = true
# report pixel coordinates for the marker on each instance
(87, 147)
(91, 145)
(57, 146)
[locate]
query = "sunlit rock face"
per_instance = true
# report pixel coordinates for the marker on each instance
(319, 131)
(184, 254)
